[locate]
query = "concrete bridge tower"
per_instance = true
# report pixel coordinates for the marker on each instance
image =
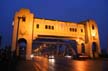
(92, 38)
(22, 31)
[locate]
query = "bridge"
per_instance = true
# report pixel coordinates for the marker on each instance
(28, 29)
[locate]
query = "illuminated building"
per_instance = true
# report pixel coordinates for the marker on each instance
(27, 28)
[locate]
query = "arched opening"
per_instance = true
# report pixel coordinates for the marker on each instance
(82, 48)
(94, 49)
(72, 48)
(22, 44)
(54, 47)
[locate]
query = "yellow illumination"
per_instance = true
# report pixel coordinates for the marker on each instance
(51, 60)
(81, 65)
(28, 30)
(94, 34)
(31, 55)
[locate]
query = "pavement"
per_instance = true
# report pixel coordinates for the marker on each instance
(57, 64)
(25, 66)
(17, 65)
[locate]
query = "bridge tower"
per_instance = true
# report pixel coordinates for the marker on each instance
(92, 41)
(91, 44)
(22, 31)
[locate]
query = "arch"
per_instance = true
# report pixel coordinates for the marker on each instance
(57, 47)
(22, 40)
(94, 49)
(73, 48)
(72, 51)
(82, 48)
(22, 44)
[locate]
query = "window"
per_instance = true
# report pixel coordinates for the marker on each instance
(37, 26)
(70, 29)
(52, 27)
(49, 27)
(75, 30)
(81, 30)
(46, 27)
(93, 27)
(23, 19)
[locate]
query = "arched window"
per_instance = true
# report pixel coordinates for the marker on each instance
(23, 18)
(92, 27)
(94, 49)
(37, 26)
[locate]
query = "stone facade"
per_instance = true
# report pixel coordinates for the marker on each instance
(26, 27)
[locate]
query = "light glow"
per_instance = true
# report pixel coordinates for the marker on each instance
(51, 57)
(31, 55)
(94, 34)
(13, 23)
(68, 56)
(52, 60)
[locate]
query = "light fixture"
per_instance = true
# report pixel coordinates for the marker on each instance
(94, 34)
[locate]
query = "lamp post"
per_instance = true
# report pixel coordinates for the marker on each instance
(19, 18)
(17, 30)
(17, 49)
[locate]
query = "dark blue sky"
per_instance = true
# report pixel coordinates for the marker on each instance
(64, 10)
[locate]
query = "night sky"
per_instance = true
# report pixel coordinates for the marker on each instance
(64, 10)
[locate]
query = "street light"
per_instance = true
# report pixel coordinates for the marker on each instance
(32, 55)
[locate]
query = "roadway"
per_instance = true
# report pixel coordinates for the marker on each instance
(40, 63)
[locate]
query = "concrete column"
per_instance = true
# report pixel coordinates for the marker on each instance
(28, 50)
(79, 48)
(88, 50)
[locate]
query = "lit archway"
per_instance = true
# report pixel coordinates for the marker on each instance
(56, 47)
(22, 44)
(94, 49)
(82, 48)
(72, 48)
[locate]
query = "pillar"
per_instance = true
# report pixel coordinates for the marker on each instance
(79, 48)
(28, 50)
